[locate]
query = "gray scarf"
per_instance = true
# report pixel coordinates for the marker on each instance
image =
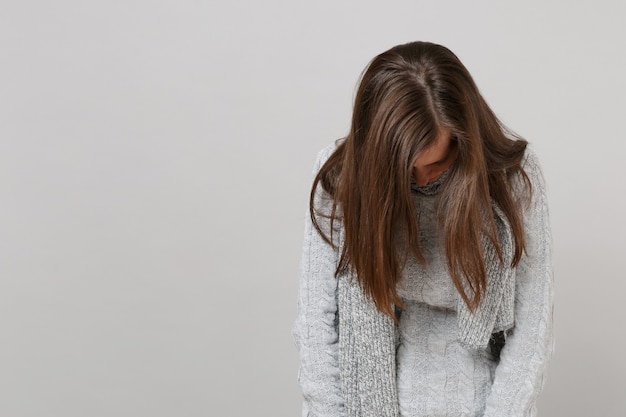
(367, 338)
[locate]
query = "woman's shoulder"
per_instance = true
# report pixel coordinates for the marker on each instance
(325, 153)
(532, 167)
(530, 161)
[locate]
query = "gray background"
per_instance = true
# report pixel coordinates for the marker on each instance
(155, 161)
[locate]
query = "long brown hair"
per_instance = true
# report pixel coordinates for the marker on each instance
(406, 97)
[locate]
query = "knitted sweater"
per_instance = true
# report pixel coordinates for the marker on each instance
(436, 375)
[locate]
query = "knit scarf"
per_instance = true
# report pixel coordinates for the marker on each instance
(368, 338)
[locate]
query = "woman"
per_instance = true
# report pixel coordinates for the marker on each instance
(426, 280)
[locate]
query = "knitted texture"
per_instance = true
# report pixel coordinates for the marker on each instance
(357, 378)
(367, 337)
(367, 351)
(495, 312)
(315, 330)
(521, 372)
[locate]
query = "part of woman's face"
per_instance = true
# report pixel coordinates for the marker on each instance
(433, 161)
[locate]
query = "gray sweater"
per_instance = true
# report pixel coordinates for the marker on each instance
(436, 375)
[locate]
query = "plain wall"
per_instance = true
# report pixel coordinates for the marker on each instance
(155, 164)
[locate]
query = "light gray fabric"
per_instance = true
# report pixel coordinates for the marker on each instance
(517, 380)
(367, 351)
(367, 336)
(436, 374)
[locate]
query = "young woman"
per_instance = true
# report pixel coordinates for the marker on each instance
(426, 282)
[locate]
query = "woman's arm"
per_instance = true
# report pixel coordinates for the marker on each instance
(315, 330)
(520, 375)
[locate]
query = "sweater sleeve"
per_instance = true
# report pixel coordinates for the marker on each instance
(315, 331)
(520, 374)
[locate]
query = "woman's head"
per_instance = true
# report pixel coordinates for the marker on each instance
(409, 97)
(417, 112)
